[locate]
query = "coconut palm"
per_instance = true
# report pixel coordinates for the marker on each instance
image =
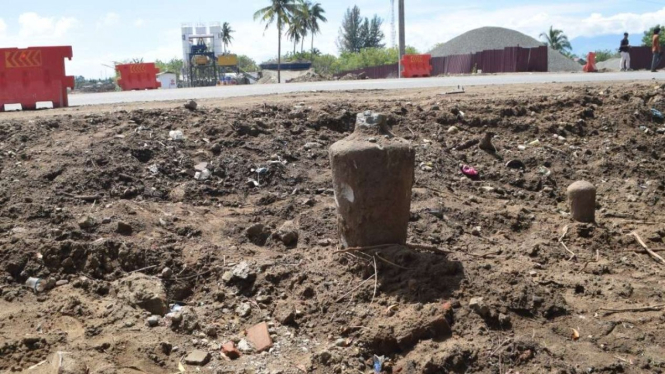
(227, 38)
(314, 15)
(281, 12)
(294, 33)
(557, 40)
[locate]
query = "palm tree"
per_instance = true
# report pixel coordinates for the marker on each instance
(314, 15)
(282, 12)
(294, 33)
(557, 40)
(227, 38)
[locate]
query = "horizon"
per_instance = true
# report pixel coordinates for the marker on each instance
(103, 33)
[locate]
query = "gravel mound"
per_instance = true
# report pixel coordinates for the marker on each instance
(609, 65)
(498, 38)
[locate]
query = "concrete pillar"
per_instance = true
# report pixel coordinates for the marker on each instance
(582, 200)
(372, 177)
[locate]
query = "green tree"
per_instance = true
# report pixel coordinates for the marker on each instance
(605, 54)
(297, 29)
(357, 33)
(245, 63)
(281, 12)
(350, 33)
(556, 39)
(174, 65)
(315, 13)
(371, 34)
(648, 36)
(227, 38)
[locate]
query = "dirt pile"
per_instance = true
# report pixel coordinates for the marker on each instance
(487, 38)
(166, 247)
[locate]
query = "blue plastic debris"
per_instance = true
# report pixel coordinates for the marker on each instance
(657, 114)
(378, 363)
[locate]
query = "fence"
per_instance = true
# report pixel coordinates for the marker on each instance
(640, 58)
(507, 60)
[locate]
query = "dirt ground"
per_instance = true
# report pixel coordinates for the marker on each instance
(164, 247)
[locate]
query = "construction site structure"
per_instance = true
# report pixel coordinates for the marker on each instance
(205, 61)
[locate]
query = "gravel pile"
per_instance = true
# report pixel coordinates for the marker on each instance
(609, 65)
(499, 38)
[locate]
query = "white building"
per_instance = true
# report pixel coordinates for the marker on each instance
(168, 80)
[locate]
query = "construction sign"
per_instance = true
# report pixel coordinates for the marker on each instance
(137, 68)
(227, 60)
(23, 59)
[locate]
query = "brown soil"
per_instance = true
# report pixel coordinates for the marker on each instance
(104, 199)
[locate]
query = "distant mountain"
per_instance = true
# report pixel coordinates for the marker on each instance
(583, 45)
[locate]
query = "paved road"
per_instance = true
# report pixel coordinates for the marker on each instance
(267, 89)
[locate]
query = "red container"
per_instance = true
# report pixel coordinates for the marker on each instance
(35, 74)
(138, 76)
(416, 66)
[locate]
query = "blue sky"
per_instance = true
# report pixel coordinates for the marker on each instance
(106, 31)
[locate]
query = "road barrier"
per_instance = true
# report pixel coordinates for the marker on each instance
(138, 76)
(590, 66)
(34, 75)
(416, 66)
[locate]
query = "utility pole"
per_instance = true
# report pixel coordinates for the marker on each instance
(402, 37)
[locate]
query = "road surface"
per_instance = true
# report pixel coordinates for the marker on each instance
(373, 84)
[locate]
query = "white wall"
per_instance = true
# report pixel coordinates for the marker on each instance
(168, 80)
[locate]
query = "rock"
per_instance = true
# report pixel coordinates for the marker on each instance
(312, 145)
(341, 342)
(288, 234)
(285, 314)
(504, 319)
(153, 321)
(143, 291)
(244, 310)
(197, 358)
(582, 200)
(66, 363)
(166, 273)
(230, 350)
(227, 276)
(191, 105)
(242, 272)
(124, 228)
(106, 220)
(477, 304)
(263, 299)
(486, 143)
(258, 234)
(453, 130)
(61, 282)
(259, 336)
(201, 166)
(176, 135)
(203, 175)
(244, 347)
(211, 331)
(476, 231)
(86, 222)
(166, 347)
(515, 164)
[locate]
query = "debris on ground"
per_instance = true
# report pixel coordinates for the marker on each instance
(153, 265)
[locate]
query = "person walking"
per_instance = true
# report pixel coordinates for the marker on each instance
(624, 49)
(655, 48)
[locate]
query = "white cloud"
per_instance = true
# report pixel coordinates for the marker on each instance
(109, 19)
(140, 22)
(3, 28)
(34, 26)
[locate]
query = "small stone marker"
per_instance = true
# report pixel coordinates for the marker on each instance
(582, 200)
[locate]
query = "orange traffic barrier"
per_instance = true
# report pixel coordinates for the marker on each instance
(590, 66)
(138, 76)
(416, 66)
(32, 75)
